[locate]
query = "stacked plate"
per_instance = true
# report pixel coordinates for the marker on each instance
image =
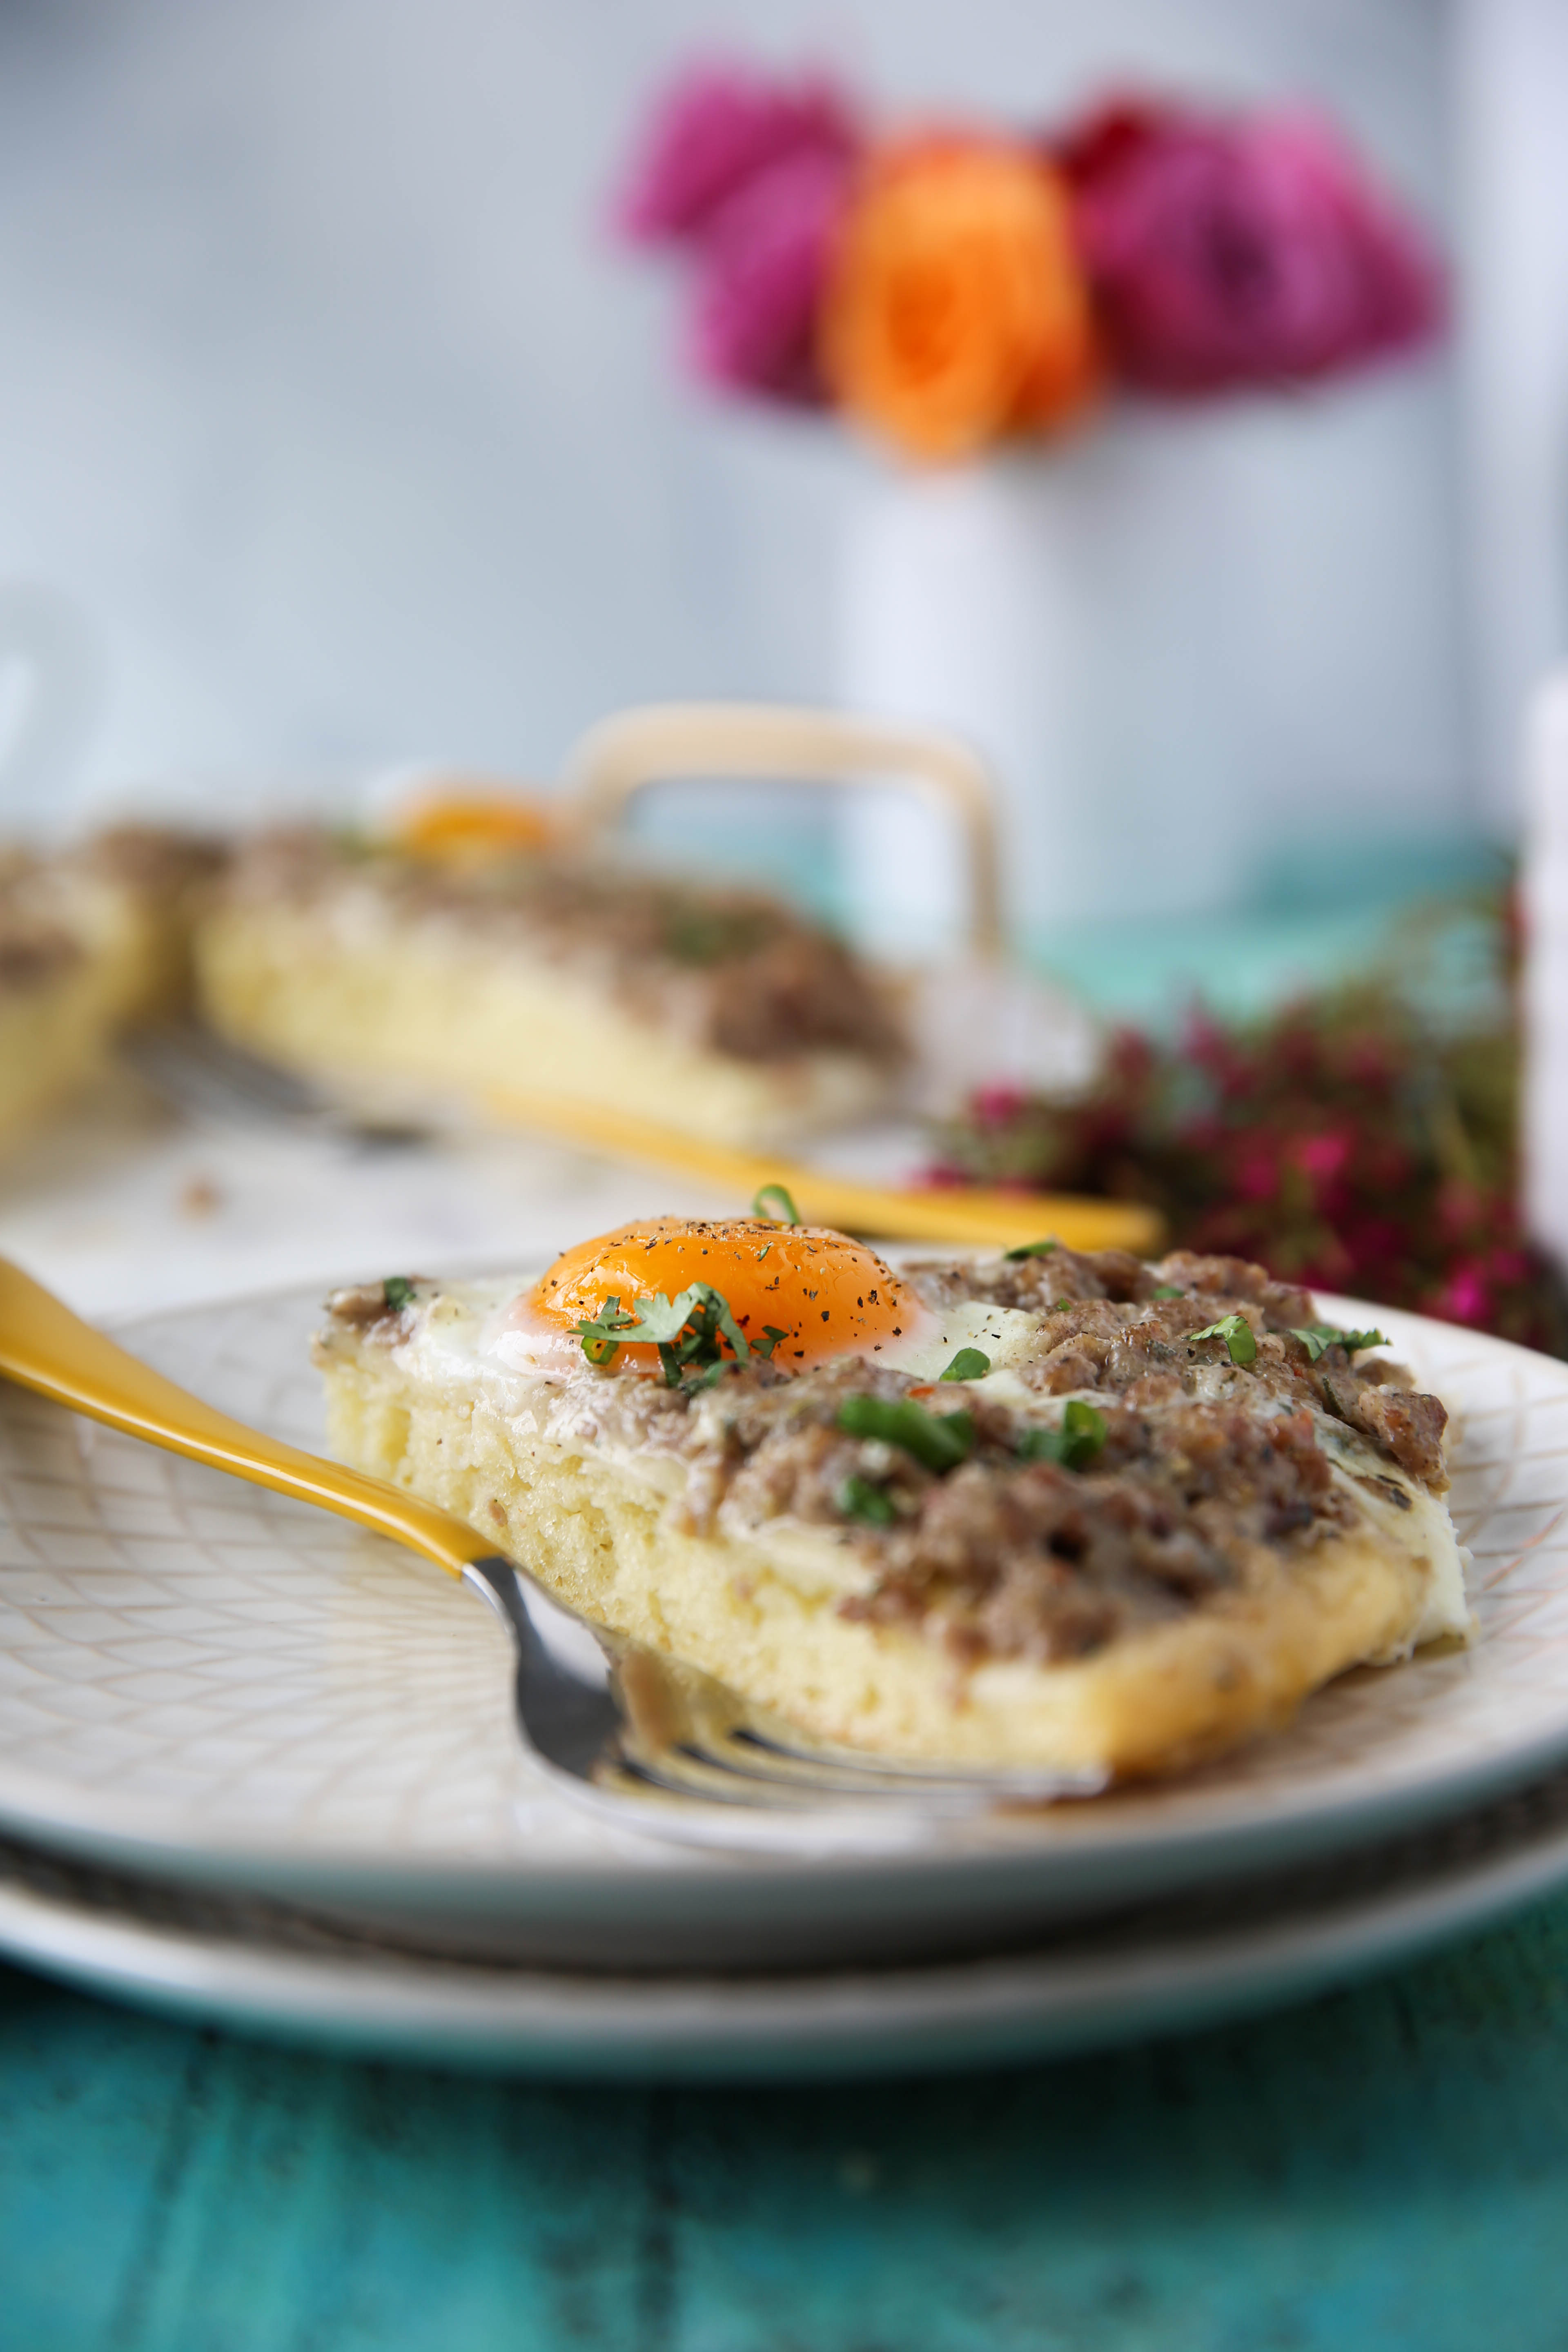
(258, 1767)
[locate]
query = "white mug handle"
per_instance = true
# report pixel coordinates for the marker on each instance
(669, 741)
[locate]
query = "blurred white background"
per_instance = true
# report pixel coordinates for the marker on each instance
(336, 430)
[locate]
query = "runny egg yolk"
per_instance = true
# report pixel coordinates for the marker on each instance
(828, 1296)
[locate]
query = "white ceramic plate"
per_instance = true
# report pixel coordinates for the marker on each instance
(206, 1682)
(1180, 1962)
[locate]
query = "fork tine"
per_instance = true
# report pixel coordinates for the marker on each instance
(744, 1769)
(684, 1733)
(697, 1778)
(909, 1774)
(673, 1774)
(203, 1074)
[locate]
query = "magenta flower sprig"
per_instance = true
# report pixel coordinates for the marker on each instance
(1344, 1143)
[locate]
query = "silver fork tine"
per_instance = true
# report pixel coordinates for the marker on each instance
(692, 1774)
(204, 1075)
(726, 1774)
(207, 1078)
(614, 1718)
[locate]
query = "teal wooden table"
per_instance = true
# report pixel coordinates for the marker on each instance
(1386, 2168)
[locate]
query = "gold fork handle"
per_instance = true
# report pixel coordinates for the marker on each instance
(44, 1345)
(973, 1214)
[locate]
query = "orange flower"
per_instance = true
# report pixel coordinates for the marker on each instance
(956, 311)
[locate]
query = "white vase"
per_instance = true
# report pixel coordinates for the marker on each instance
(1066, 611)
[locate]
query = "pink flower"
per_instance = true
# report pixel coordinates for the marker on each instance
(998, 1105)
(1257, 1173)
(1229, 253)
(761, 277)
(1372, 1244)
(1461, 1207)
(1467, 1295)
(1324, 1157)
(717, 127)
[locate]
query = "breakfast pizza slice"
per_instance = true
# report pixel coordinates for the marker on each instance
(406, 981)
(133, 892)
(94, 939)
(1058, 1510)
(56, 1014)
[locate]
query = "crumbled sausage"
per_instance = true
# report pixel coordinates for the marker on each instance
(734, 970)
(1411, 1427)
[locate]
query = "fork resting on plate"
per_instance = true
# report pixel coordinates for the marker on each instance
(617, 1723)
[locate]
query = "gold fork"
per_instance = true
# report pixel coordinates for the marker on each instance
(610, 1719)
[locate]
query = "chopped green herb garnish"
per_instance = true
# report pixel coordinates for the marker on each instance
(694, 933)
(1073, 1445)
(1236, 1333)
(688, 1329)
(396, 1291)
(786, 1213)
(352, 841)
(969, 1364)
(1316, 1336)
(1062, 1304)
(602, 1337)
(1033, 1249)
(1168, 1290)
(939, 1441)
(771, 1337)
(858, 1499)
